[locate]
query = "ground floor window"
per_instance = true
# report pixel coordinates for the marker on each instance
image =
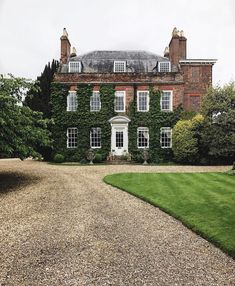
(166, 137)
(143, 137)
(95, 137)
(72, 137)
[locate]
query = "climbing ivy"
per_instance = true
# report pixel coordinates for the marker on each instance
(84, 120)
(154, 119)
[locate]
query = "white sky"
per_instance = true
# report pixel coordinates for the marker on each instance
(30, 30)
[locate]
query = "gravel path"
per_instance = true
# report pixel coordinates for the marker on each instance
(61, 225)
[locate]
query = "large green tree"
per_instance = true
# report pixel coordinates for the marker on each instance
(38, 99)
(218, 133)
(22, 131)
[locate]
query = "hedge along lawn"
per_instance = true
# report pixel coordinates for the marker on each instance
(205, 202)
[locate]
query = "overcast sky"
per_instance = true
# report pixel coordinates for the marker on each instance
(30, 30)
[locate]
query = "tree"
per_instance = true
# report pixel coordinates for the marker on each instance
(39, 98)
(22, 130)
(218, 133)
(186, 137)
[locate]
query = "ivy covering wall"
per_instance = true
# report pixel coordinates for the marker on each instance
(84, 120)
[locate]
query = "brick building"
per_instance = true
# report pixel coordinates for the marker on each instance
(180, 82)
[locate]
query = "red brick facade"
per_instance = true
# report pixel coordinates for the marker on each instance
(189, 82)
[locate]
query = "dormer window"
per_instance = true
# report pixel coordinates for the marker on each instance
(164, 67)
(119, 66)
(74, 66)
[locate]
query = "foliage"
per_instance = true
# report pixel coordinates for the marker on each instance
(98, 158)
(205, 202)
(39, 98)
(218, 133)
(154, 120)
(22, 131)
(59, 158)
(84, 120)
(186, 140)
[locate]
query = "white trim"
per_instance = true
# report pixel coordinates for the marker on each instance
(166, 62)
(124, 100)
(97, 147)
(198, 61)
(68, 102)
(74, 128)
(142, 129)
(171, 101)
(79, 67)
(119, 62)
(99, 104)
(138, 91)
(119, 119)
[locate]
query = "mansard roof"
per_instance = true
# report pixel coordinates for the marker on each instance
(103, 61)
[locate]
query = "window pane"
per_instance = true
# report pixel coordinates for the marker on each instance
(72, 101)
(143, 137)
(95, 103)
(74, 67)
(119, 101)
(166, 101)
(166, 137)
(164, 66)
(119, 66)
(119, 138)
(72, 135)
(143, 100)
(95, 137)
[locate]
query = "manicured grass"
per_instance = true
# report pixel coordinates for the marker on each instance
(205, 202)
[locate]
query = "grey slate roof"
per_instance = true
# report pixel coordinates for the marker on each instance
(103, 61)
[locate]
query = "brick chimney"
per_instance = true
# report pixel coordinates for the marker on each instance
(177, 47)
(64, 47)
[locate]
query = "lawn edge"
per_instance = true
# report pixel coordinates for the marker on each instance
(169, 212)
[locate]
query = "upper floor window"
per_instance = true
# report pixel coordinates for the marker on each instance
(143, 137)
(95, 137)
(164, 66)
(74, 66)
(72, 137)
(72, 101)
(142, 101)
(166, 100)
(166, 137)
(95, 103)
(119, 104)
(119, 66)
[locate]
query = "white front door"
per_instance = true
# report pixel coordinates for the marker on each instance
(119, 140)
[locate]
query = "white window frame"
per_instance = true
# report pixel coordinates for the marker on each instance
(138, 141)
(138, 104)
(73, 69)
(161, 66)
(91, 98)
(170, 101)
(74, 100)
(97, 129)
(162, 131)
(115, 67)
(75, 141)
(120, 93)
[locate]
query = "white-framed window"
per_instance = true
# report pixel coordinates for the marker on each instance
(143, 137)
(95, 137)
(164, 66)
(119, 104)
(143, 101)
(166, 137)
(74, 66)
(119, 66)
(95, 103)
(72, 137)
(72, 102)
(166, 100)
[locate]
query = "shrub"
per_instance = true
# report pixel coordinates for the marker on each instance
(83, 161)
(98, 158)
(58, 158)
(233, 166)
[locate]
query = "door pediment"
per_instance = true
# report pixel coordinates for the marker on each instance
(119, 119)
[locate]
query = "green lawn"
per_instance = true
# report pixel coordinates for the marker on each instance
(205, 202)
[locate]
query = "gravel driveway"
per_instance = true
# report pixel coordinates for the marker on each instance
(61, 225)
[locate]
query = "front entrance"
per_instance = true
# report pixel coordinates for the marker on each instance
(119, 136)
